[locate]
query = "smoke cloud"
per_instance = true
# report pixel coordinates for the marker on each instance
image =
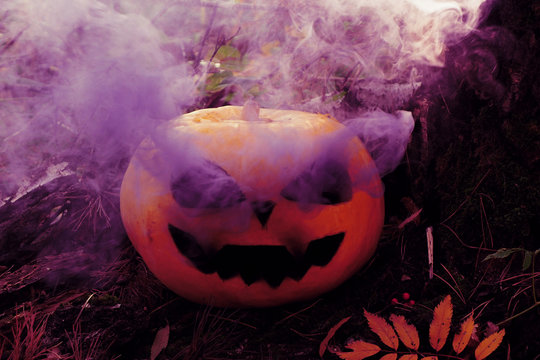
(82, 82)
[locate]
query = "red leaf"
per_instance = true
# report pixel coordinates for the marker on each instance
(407, 332)
(383, 329)
(440, 326)
(360, 350)
(488, 345)
(462, 338)
(330, 335)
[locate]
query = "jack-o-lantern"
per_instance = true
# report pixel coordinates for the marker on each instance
(237, 206)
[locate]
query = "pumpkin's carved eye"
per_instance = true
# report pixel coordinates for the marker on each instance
(325, 182)
(206, 186)
(252, 263)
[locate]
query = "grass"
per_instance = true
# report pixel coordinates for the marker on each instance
(471, 172)
(27, 336)
(519, 286)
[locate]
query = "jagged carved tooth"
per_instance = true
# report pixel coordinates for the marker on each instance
(275, 281)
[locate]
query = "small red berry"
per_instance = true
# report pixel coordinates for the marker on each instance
(395, 301)
(411, 303)
(406, 296)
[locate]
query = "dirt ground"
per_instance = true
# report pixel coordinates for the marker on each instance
(472, 168)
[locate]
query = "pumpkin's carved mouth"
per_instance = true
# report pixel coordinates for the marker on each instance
(252, 263)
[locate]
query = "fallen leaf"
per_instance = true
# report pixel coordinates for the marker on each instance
(440, 326)
(462, 338)
(527, 260)
(502, 253)
(430, 358)
(407, 332)
(330, 335)
(160, 342)
(383, 330)
(360, 350)
(488, 345)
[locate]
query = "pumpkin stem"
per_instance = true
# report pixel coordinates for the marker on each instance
(250, 111)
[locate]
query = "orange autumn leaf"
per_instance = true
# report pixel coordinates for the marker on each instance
(430, 358)
(440, 326)
(330, 335)
(407, 332)
(409, 357)
(392, 356)
(462, 338)
(488, 345)
(360, 350)
(383, 329)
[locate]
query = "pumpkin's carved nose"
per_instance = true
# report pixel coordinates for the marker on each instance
(263, 210)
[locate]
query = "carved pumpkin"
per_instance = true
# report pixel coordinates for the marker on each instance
(234, 207)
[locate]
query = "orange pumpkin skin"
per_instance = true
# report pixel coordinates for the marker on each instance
(262, 157)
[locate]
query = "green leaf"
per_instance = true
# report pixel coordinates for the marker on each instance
(527, 260)
(503, 253)
(339, 96)
(228, 52)
(229, 58)
(217, 81)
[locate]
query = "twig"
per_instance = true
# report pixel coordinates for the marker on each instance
(463, 243)
(164, 305)
(518, 314)
(536, 302)
(450, 286)
(205, 36)
(305, 336)
(429, 235)
(424, 109)
(527, 277)
(462, 298)
(12, 41)
(444, 100)
(83, 307)
(468, 197)
(234, 321)
(483, 306)
(473, 291)
(483, 217)
(533, 278)
(298, 312)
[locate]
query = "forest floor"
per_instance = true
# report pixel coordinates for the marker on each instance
(471, 175)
